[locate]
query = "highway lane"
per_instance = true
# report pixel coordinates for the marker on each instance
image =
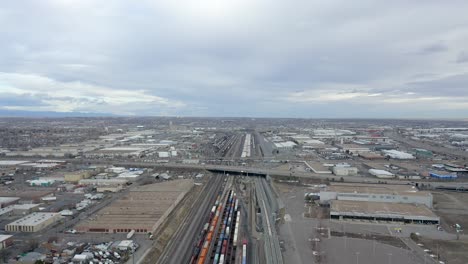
(265, 171)
(181, 246)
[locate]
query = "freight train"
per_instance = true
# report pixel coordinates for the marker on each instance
(219, 237)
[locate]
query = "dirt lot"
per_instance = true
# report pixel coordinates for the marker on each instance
(453, 252)
(315, 211)
(389, 240)
(452, 207)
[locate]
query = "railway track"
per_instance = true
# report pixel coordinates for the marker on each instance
(181, 246)
(219, 240)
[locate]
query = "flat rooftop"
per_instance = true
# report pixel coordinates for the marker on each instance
(378, 209)
(376, 188)
(8, 199)
(317, 167)
(5, 237)
(140, 208)
(124, 149)
(17, 207)
(34, 219)
(11, 162)
(27, 193)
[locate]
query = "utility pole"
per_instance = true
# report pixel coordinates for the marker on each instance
(373, 247)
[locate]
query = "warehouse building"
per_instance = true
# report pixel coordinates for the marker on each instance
(344, 170)
(5, 241)
(11, 163)
(423, 153)
(355, 149)
(377, 211)
(19, 209)
(395, 154)
(76, 176)
(384, 193)
(381, 174)
(143, 209)
(103, 182)
(7, 201)
(33, 222)
(370, 155)
(285, 145)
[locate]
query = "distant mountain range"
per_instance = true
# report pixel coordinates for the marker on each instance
(21, 113)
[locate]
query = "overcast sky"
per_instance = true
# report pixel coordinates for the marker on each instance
(296, 58)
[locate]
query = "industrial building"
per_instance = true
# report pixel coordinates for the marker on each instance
(19, 209)
(381, 174)
(7, 201)
(395, 154)
(423, 153)
(377, 211)
(384, 193)
(317, 167)
(5, 241)
(344, 170)
(105, 185)
(355, 149)
(285, 145)
(33, 222)
(76, 176)
(102, 182)
(370, 155)
(443, 176)
(142, 209)
(11, 163)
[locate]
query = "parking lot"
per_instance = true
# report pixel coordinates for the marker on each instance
(321, 240)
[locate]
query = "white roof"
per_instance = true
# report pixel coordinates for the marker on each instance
(285, 144)
(34, 218)
(50, 161)
(380, 172)
(17, 207)
(123, 149)
(80, 257)
(313, 141)
(8, 199)
(102, 181)
(397, 154)
(4, 237)
(11, 162)
(129, 174)
(66, 212)
(125, 243)
(24, 206)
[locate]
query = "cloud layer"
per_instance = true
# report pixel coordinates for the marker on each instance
(300, 58)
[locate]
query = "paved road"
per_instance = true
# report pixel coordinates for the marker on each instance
(181, 246)
(266, 171)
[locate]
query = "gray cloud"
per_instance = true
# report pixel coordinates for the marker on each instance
(225, 57)
(435, 48)
(13, 100)
(456, 85)
(462, 57)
